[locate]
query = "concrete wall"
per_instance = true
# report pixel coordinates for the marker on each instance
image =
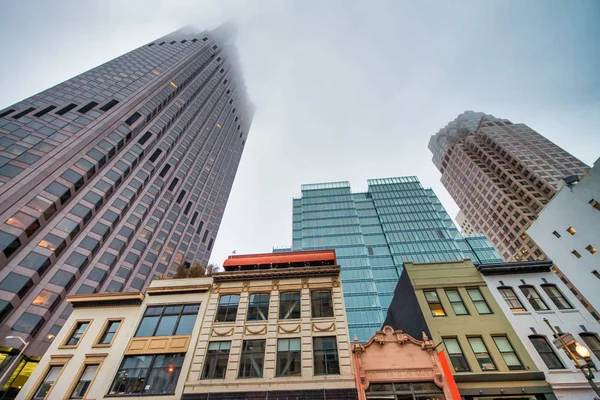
(568, 383)
(570, 207)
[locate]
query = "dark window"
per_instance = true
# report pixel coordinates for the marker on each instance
(148, 374)
(9, 243)
(68, 226)
(5, 309)
(252, 359)
(321, 304)
(23, 113)
(95, 199)
(86, 289)
(83, 212)
(77, 333)
(44, 111)
(509, 295)
(28, 323)
(591, 339)
(98, 156)
(482, 354)
(134, 117)
(109, 332)
(187, 208)
(48, 381)
(508, 353)
(97, 274)
(457, 358)
(114, 287)
(227, 310)
(25, 222)
(6, 112)
(288, 357)
(325, 356)
(60, 191)
(289, 305)
(87, 107)
(77, 260)
(215, 362)
(144, 138)
(109, 105)
(168, 320)
(83, 384)
(16, 283)
(53, 243)
(456, 302)
(534, 298)
(165, 170)
(172, 186)
(205, 236)
(155, 155)
(435, 305)
(63, 279)
(42, 205)
(108, 259)
(258, 307)
(557, 297)
(479, 301)
(545, 351)
(66, 109)
(36, 261)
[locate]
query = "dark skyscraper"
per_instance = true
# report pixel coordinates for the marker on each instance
(116, 176)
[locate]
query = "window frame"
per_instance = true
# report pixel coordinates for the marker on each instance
(460, 301)
(257, 309)
(509, 301)
(248, 354)
(148, 374)
(80, 375)
(228, 307)
(41, 379)
(291, 357)
(487, 352)
(290, 311)
(556, 356)
(320, 304)
(325, 354)
(429, 303)
(544, 286)
(162, 314)
(475, 302)
(521, 366)
(462, 353)
(72, 332)
(218, 355)
(593, 335)
(539, 298)
(103, 331)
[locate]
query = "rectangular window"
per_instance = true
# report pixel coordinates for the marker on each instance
(228, 305)
(77, 333)
(576, 254)
(253, 359)
(456, 302)
(258, 307)
(321, 304)
(215, 363)
(109, 333)
(545, 351)
(147, 374)
(288, 357)
(457, 358)
(47, 382)
(325, 356)
(481, 354)
(168, 320)
(593, 344)
(479, 301)
(556, 234)
(557, 297)
(508, 353)
(591, 249)
(509, 295)
(289, 305)
(434, 303)
(534, 298)
(87, 376)
(571, 230)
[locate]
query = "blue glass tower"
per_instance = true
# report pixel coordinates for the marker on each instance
(374, 233)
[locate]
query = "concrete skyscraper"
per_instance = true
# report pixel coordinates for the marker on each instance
(374, 233)
(501, 175)
(115, 176)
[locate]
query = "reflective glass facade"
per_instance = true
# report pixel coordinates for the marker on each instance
(116, 176)
(374, 233)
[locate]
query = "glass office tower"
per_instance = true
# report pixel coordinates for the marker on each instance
(115, 176)
(374, 233)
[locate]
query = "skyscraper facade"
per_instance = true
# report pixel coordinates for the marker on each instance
(374, 233)
(116, 176)
(501, 175)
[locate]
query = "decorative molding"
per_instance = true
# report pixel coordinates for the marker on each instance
(304, 283)
(215, 287)
(389, 335)
(293, 330)
(328, 329)
(283, 273)
(178, 289)
(335, 281)
(245, 286)
(261, 331)
(61, 356)
(226, 333)
(275, 284)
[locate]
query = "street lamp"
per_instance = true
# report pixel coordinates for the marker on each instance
(583, 352)
(9, 369)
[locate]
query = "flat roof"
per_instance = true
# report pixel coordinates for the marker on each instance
(280, 258)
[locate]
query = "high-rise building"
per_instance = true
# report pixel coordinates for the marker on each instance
(465, 227)
(115, 176)
(501, 175)
(374, 233)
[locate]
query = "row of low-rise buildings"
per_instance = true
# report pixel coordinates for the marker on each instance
(274, 326)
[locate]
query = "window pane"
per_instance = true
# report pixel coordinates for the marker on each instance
(289, 305)
(557, 297)
(47, 382)
(321, 304)
(166, 326)
(288, 357)
(109, 332)
(77, 334)
(252, 360)
(84, 382)
(215, 364)
(325, 356)
(258, 307)
(186, 324)
(147, 326)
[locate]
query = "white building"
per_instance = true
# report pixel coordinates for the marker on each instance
(568, 231)
(465, 226)
(529, 292)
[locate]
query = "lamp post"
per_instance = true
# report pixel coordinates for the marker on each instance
(583, 352)
(12, 364)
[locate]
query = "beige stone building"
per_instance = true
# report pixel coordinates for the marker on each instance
(275, 327)
(124, 344)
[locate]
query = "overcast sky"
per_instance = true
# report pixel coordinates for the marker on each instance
(344, 90)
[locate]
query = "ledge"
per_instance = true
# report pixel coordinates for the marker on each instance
(501, 376)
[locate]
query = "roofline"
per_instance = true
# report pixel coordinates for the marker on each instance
(285, 273)
(296, 256)
(515, 267)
